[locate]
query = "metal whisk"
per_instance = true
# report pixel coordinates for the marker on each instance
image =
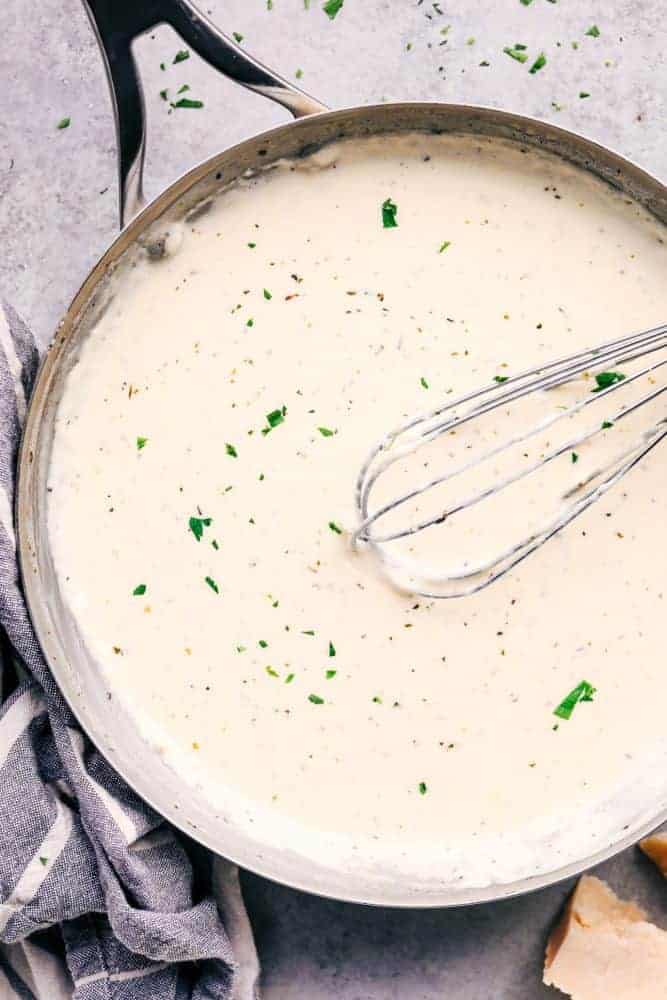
(423, 430)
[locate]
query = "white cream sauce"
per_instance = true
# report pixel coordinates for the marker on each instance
(339, 710)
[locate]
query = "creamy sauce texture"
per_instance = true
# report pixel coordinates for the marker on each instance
(240, 381)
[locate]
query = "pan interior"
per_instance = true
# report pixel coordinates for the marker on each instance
(236, 366)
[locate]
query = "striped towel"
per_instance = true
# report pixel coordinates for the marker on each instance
(97, 892)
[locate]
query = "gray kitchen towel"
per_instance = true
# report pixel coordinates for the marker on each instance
(88, 872)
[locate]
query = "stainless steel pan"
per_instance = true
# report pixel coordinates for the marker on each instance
(117, 23)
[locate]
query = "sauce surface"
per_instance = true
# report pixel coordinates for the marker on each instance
(202, 496)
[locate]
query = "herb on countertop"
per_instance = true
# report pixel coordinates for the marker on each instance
(289, 678)
(583, 692)
(575, 457)
(332, 649)
(197, 525)
(326, 432)
(329, 674)
(422, 788)
(212, 584)
(331, 8)
(593, 31)
(181, 56)
(517, 52)
(335, 528)
(389, 210)
(605, 379)
(250, 322)
(139, 590)
(274, 418)
(141, 443)
(231, 450)
(444, 245)
(539, 63)
(267, 294)
(424, 384)
(263, 643)
(64, 123)
(187, 102)
(315, 699)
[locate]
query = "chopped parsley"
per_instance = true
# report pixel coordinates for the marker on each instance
(593, 31)
(605, 379)
(44, 860)
(299, 74)
(237, 36)
(139, 590)
(250, 322)
(308, 631)
(526, 3)
(335, 527)
(231, 450)
(332, 649)
(330, 673)
(389, 210)
(444, 245)
(315, 699)
(215, 545)
(141, 443)
(181, 90)
(289, 678)
(424, 384)
(181, 56)
(267, 294)
(274, 418)
(539, 63)
(575, 458)
(583, 692)
(583, 93)
(263, 643)
(252, 245)
(197, 525)
(163, 94)
(64, 123)
(212, 584)
(500, 378)
(606, 424)
(422, 788)
(326, 432)
(332, 7)
(187, 102)
(516, 53)
(271, 672)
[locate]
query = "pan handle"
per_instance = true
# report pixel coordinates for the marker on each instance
(117, 23)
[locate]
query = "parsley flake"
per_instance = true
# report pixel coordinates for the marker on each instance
(289, 678)
(231, 450)
(593, 31)
(583, 93)
(538, 64)
(64, 123)
(326, 432)
(389, 210)
(605, 379)
(315, 699)
(332, 7)
(139, 590)
(330, 673)
(516, 53)
(271, 672)
(444, 245)
(187, 102)
(197, 525)
(500, 378)
(141, 443)
(582, 692)
(237, 36)
(422, 788)
(424, 384)
(263, 643)
(163, 94)
(274, 418)
(267, 294)
(44, 860)
(574, 457)
(332, 649)
(212, 584)
(606, 424)
(181, 56)
(335, 527)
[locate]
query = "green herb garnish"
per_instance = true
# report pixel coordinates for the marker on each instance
(308, 631)
(212, 584)
(575, 457)
(197, 525)
(263, 643)
(606, 424)
(326, 432)
(330, 673)
(443, 246)
(237, 36)
(526, 3)
(43, 860)
(539, 63)
(605, 379)
(422, 788)
(583, 93)
(583, 692)
(141, 443)
(500, 378)
(424, 384)
(139, 590)
(187, 102)
(64, 123)
(389, 210)
(516, 53)
(593, 31)
(181, 56)
(163, 94)
(315, 699)
(267, 294)
(299, 74)
(332, 649)
(231, 450)
(332, 7)
(274, 418)
(252, 245)
(271, 672)
(289, 678)
(335, 527)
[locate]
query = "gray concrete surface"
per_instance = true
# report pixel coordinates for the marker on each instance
(57, 214)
